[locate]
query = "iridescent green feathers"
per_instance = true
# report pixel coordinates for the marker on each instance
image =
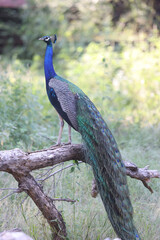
(104, 157)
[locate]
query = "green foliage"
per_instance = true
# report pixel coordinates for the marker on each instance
(128, 80)
(78, 22)
(40, 19)
(21, 113)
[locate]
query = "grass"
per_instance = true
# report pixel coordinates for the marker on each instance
(86, 219)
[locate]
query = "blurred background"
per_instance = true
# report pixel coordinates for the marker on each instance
(111, 50)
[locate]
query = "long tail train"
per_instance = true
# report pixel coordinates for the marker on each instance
(109, 171)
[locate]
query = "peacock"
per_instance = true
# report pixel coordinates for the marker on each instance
(101, 150)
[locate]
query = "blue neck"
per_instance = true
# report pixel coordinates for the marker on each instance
(48, 63)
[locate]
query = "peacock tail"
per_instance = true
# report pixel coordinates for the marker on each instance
(103, 155)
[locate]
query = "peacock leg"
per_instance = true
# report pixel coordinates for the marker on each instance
(60, 130)
(69, 135)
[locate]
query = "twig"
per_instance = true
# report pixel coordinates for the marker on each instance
(60, 170)
(8, 195)
(24, 200)
(63, 199)
(59, 176)
(17, 190)
(49, 170)
(8, 189)
(147, 186)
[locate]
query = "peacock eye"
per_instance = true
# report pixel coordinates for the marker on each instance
(47, 38)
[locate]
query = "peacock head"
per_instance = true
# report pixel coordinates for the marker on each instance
(49, 39)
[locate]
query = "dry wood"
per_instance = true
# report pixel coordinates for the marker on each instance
(20, 164)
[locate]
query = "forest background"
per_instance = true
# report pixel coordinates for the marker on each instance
(111, 50)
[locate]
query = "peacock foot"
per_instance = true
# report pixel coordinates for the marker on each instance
(60, 145)
(56, 145)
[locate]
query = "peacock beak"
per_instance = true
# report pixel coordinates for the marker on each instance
(41, 38)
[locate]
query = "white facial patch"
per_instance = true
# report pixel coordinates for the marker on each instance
(46, 39)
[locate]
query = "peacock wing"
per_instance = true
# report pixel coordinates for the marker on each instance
(66, 98)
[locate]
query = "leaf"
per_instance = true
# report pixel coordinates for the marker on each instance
(72, 169)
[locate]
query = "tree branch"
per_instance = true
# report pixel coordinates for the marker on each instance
(142, 174)
(20, 164)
